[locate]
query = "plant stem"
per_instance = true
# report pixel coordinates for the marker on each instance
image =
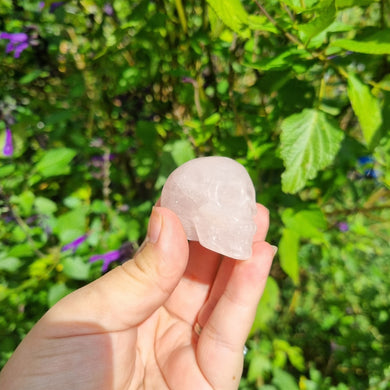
(291, 37)
(106, 177)
(182, 15)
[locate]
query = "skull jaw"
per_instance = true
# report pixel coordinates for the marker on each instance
(229, 239)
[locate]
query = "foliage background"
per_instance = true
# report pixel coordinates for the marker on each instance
(106, 99)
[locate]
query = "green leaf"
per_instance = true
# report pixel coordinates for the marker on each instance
(174, 154)
(366, 107)
(299, 6)
(57, 292)
(288, 254)
(295, 5)
(55, 162)
(377, 43)
(216, 24)
(71, 225)
(284, 60)
(21, 250)
(25, 201)
(213, 119)
(45, 206)
(181, 151)
(261, 23)
(231, 12)
(29, 77)
(258, 366)
(8, 263)
(293, 353)
(309, 143)
(296, 357)
(283, 380)
(267, 307)
(353, 3)
(325, 15)
(76, 268)
(308, 224)
(6, 170)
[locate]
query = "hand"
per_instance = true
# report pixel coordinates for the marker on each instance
(133, 328)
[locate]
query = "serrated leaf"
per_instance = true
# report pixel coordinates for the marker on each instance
(377, 43)
(309, 143)
(231, 12)
(288, 254)
(216, 24)
(366, 107)
(55, 162)
(325, 15)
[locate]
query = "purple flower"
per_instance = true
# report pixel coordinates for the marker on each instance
(17, 42)
(188, 80)
(74, 244)
(107, 258)
(55, 5)
(8, 149)
(108, 10)
(41, 5)
(343, 226)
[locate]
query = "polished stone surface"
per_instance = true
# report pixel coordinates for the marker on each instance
(214, 198)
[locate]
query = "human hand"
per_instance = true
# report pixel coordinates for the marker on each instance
(133, 328)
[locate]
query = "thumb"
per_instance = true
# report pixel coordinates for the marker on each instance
(129, 294)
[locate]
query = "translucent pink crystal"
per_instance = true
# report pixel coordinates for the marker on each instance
(214, 198)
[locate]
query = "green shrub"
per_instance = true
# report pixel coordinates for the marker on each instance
(100, 102)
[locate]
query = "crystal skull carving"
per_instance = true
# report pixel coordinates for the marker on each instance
(214, 198)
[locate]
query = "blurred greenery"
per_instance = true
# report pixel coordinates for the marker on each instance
(100, 101)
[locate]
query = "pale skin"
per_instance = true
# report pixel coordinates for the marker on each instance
(133, 328)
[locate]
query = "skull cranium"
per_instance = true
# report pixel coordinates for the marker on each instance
(214, 199)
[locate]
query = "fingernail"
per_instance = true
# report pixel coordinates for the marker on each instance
(275, 248)
(154, 226)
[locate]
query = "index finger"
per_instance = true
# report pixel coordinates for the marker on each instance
(262, 223)
(221, 341)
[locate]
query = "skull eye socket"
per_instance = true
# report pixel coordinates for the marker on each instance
(228, 195)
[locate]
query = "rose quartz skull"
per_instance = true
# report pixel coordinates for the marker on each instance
(214, 199)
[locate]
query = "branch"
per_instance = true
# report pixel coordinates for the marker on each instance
(291, 37)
